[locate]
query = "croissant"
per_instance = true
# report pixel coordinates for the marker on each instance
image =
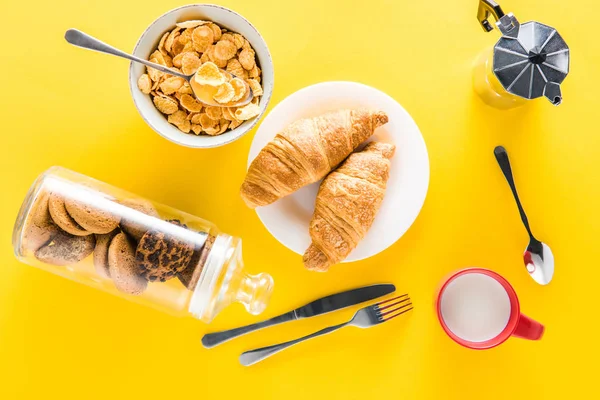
(347, 203)
(305, 152)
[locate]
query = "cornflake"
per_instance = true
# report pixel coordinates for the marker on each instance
(165, 104)
(235, 68)
(207, 122)
(238, 40)
(209, 74)
(192, 24)
(224, 93)
(247, 59)
(216, 31)
(248, 111)
(225, 50)
(197, 129)
(145, 84)
(257, 90)
(190, 63)
(202, 37)
(239, 89)
(234, 124)
(214, 112)
(171, 85)
(190, 103)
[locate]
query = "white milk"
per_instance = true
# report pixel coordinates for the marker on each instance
(475, 307)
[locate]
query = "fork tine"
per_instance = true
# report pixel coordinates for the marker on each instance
(381, 315)
(389, 300)
(401, 299)
(395, 315)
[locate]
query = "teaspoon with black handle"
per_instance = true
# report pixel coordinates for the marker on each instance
(538, 257)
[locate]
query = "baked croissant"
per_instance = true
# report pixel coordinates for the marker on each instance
(347, 203)
(305, 152)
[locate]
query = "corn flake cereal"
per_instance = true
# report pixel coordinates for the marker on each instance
(197, 129)
(239, 89)
(203, 48)
(235, 68)
(145, 84)
(165, 104)
(171, 85)
(234, 124)
(247, 59)
(248, 111)
(190, 103)
(228, 36)
(191, 24)
(216, 31)
(202, 38)
(207, 122)
(225, 50)
(214, 112)
(190, 62)
(224, 93)
(257, 90)
(209, 74)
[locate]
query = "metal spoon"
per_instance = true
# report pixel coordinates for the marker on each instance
(538, 257)
(80, 39)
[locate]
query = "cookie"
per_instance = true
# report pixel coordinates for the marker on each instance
(136, 229)
(122, 267)
(190, 276)
(101, 253)
(60, 216)
(160, 256)
(90, 218)
(38, 228)
(66, 249)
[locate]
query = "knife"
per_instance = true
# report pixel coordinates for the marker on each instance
(318, 307)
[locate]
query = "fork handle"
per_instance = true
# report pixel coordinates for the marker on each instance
(253, 356)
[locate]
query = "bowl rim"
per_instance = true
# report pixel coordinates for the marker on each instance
(266, 98)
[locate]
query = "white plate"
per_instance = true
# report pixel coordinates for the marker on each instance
(288, 219)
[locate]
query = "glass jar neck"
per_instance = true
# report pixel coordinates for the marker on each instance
(223, 282)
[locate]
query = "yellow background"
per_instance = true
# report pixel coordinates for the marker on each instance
(65, 106)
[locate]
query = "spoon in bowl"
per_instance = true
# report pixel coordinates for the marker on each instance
(538, 257)
(80, 39)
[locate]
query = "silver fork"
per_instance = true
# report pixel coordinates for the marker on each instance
(364, 318)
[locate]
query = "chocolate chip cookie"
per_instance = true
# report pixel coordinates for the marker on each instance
(160, 256)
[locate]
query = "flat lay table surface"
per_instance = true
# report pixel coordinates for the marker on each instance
(65, 106)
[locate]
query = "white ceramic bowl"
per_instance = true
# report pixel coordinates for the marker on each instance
(149, 41)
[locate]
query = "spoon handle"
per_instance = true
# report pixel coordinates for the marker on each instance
(80, 39)
(503, 161)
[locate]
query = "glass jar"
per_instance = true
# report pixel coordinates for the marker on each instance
(487, 85)
(96, 234)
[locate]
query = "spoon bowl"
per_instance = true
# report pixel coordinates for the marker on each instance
(202, 94)
(538, 258)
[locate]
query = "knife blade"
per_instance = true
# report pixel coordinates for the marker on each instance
(320, 306)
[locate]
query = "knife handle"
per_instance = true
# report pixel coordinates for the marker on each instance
(213, 339)
(253, 356)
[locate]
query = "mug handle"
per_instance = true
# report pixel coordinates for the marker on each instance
(528, 329)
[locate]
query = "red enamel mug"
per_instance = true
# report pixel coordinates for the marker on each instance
(479, 309)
